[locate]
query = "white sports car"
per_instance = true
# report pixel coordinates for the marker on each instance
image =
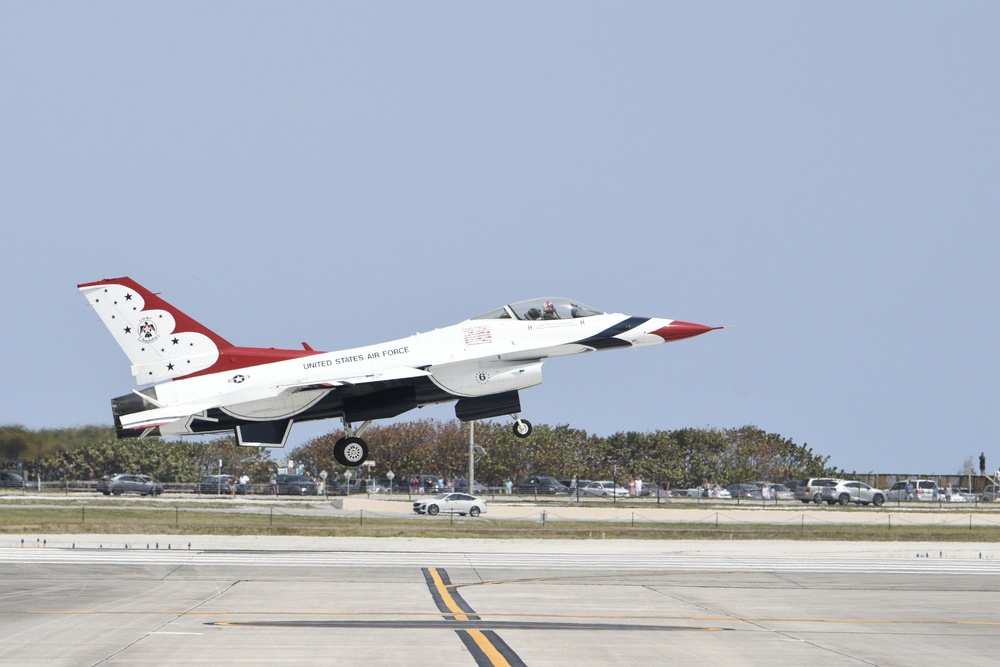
(460, 503)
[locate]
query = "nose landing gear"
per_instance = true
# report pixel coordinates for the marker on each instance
(522, 427)
(351, 450)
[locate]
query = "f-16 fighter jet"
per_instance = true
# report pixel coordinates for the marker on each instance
(193, 381)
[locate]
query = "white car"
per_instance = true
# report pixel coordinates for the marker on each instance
(713, 491)
(845, 492)
(919, 489)
(602, 489)
(455, 503)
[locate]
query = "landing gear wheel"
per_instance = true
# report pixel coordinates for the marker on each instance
(350, 452)
(522, 428)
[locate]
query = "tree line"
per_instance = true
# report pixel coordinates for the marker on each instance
(682, 458)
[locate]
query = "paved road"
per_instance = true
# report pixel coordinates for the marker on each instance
(371, 601)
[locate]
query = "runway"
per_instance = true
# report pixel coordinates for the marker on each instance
(371, 601)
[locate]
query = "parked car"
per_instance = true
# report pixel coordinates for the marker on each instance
(119, 484)
(956, 495)
(477, 487)
(215, 485)
(810, 490)
(744, 490)
(709, 491)
(11, 480)
(845, 492)
(990, 494)
(541, 484)
(913, 489)
(457, 503)
(777, 491)
(572, 484)
(604, 489)
(792, 483)
(296, 485)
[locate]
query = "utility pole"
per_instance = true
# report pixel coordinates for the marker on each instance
(472, 455)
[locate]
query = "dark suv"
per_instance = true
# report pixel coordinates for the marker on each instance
(215, 485)
(296, 485)
(542, 484)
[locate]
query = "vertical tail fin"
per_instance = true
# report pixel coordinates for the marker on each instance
(161, 342)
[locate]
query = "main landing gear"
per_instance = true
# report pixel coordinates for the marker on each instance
(351, 450)
(522, 427)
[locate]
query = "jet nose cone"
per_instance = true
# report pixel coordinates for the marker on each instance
(677, 330)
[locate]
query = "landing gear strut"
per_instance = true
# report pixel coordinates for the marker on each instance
(522, 427)
(351, 451)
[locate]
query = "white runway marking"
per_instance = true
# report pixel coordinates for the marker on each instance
(505, 561)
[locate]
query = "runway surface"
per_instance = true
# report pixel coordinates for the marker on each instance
(367, 601)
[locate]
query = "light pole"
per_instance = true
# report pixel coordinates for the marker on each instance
(472, 455)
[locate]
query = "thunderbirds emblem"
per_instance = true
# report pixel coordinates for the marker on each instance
(147, 330)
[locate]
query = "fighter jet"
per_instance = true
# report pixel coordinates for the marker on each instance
(192, 381)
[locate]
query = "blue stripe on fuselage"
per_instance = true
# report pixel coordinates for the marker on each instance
(606, 339)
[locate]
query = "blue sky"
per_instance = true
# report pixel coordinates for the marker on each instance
(820, 176)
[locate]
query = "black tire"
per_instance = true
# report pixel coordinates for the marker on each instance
(844, 499)
(473, 511)
(878, 500)
(817, 499)
(522, 428)
(433, 510)
(350, 452)
(117, 492)
(804, 501)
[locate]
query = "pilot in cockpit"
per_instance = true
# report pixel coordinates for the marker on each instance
(550, 312)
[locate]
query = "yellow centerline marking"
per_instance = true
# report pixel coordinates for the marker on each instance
(484, 644)
(487, 647)
(445, 594)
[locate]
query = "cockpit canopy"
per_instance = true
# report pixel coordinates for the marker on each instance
(544, 308)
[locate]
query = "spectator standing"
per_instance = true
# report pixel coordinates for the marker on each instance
(274, 484)
(982, 464)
